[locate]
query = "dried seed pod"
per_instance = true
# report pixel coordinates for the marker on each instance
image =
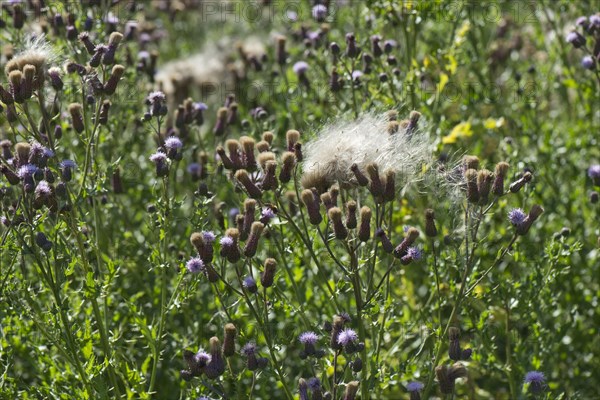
(364, 231)
(499, 177)
(335, 216)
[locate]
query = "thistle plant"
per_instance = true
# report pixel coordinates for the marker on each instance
(327, 201)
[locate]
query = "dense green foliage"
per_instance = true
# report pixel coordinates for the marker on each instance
(97, 297)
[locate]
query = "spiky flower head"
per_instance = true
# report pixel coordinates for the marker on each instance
(536, 381)
(173, 142)
(300, 68)
(27, 171)
(347, 336)
(414, 386)
(195, 265)
(517, 216)
(308, 338)
(249, 349)
(158, 157)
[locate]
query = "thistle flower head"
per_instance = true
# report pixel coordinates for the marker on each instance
(536, 381)
(226, 241)
(202, 357)
(314, 383)
(208, 236)
(308, 338)
(173, 143)
(26, 171)
(195, 265)
(158, 157)
(70, 164)
(319, 12)
(414, 253)
(249, 349)
(300, 68)
(43, 189)
(414, 386)
(267, 213)
(156, 97)
(594, 171)
(517, 216)
(347, 336)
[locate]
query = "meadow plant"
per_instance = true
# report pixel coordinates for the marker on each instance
(326, 203)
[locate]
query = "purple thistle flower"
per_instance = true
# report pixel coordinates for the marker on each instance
(319, 12)
(300, 68)
(587, 62)
(415, 253)
(356, 75)
(308, 338)
(582, 21)
(536, 381)
(195, 265)
(347, 336)
(266, 215)
(517, 217)
(158, 157)
(314, 384)
(226, 241)
(43, 189)
(595, 20)
(202, 358)
(576, 39)
(594, 171)
(209, 237)
(199, 106)
(414, 386)
(157, 96)
(27, 171)
(173, 143)
(68, 164)
(249, 349)
(249, 284)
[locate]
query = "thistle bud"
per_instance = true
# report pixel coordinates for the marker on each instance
(229, 340)
(390, 186)
(375, 185)
(499, 177)
(454, 351)
(364, 231)
(249, 210)
(268, 274)
(16, 84)
(338, 325)
(386, 244)
(335, 84)
(216, 366)
(411, 235)
(268, 137)
(430, 228)
(351, 390)
(248, 158)
(281, 53)
(225, 160)
(335, 216)
(221, 123)
(243, 177)
(594, 197)
(75, 109)
(326, 200)
(269, 181)
(42, 241)
(292, 136)
(263, 146)
(256, 231)
(519, 183)
(484, 185)
(351, 208)
(113, 43)
(5, 96)
(471, 179)
(84, 37)
(352, 50)
(111, 85)
(288, 160)
(312, 207)
(471, 162)
(360, 177)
